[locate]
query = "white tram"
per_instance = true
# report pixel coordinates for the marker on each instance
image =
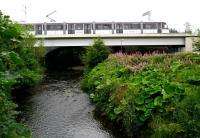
(98, 28)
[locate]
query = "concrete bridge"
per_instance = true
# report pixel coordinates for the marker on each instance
(182, 40)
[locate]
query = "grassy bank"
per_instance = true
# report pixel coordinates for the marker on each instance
(150, 95)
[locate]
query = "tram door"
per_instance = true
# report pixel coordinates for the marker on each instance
(71, 29)
(38, 29)
(119, 28)
(159, 27)
(87, 28)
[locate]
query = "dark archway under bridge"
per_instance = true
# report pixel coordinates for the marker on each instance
(61, 58)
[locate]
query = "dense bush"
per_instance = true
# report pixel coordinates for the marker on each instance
(149, 96)
(18, 68)
(95, 54)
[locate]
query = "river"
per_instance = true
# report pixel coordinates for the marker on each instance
(57, 108)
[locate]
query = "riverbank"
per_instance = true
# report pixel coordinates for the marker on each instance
(148, 95)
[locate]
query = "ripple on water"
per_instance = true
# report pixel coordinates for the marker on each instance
(57, 108)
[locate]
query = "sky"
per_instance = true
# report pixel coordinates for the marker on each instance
(174, 12)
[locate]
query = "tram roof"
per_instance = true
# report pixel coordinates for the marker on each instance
(103, 22)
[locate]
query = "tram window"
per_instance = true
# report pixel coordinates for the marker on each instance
(54, 27)
(99, 27)
(107, 26)
(126, 26)
(136, 26)
(164, 26)
(71, 29)
(87, 26)
(131, 26)
(103, 26)
(71, 26)
(149, 26)
(79, 26)
(119, 26)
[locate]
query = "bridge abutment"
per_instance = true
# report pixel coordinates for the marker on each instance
(188, 44)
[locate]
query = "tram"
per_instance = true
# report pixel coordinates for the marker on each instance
(81, 28)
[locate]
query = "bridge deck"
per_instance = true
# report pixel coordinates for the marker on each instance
(115, 36)
(119, 40)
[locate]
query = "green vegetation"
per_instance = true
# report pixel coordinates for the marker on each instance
(96, 53)
(196, 44)
(149, 96)
(18, 68)
(39, 51)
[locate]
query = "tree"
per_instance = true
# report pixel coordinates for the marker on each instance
(18, 68)
(173, 31)
(40, 52)
(196, 44)
(188, 29)
(95, 54)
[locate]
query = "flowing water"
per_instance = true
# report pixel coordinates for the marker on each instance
(57, 108)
